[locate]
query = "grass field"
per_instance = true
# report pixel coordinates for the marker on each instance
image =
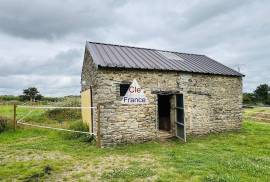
(258, 114)
(57, 117)
(265, 110)
(32, 154)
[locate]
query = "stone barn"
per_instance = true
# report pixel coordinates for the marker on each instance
(146, 94)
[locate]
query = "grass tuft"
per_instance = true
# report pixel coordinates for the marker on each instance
(4, 124)
(128, 174)
(79, 126)
(37, 176)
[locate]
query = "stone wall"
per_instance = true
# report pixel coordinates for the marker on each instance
(89, 72)
(89, 81)
(212, 103)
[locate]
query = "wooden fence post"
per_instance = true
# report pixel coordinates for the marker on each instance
(14, 117)
(98, 126)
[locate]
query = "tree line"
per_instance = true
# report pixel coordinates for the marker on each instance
(30, 94)
(261, 95)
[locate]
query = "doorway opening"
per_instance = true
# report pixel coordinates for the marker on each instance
(164, 112)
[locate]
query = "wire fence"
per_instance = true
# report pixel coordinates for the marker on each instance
(53, 107)
(49, 117)
(48, 127)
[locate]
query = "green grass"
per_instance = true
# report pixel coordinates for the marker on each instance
(6, 111)
(231, 156)
(261, 114)
(128, 174)
(32, 154)
(57, 117)
(257, 110)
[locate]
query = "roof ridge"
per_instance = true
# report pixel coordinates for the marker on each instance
(143, 48)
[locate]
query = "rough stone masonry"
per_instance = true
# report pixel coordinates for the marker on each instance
(212, 102)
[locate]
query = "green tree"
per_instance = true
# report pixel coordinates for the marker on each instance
(31, 94)
(268, 100)
(261, 93)
(249, 98)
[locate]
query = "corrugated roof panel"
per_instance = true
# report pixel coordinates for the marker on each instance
(169, 55)
(164, 62)
(111, 55)
(213, 67)
(140, 59)
(176, 64)
(133, 58)
(220, 67)
(156, 63)
(195, 61)
(95, 54)
(149, 62)
(108, 55)
(205, 65)
(127, 60)
(191, 66)
(118, 57)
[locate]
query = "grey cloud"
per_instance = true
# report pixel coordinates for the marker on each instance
(203, 11)
(232, 32)
(64, 63)
(48, 85)
(53, 19)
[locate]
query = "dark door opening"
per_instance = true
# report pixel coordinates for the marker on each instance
(164, 108)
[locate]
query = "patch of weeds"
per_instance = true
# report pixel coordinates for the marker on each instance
(252, 167)
(47, 169)
(61, 115)
(38, 175)
(78, 175)
(4, 124)
(171, 155)
(220, 178)
(128, 173)
(79, 126)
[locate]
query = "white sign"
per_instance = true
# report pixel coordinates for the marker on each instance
(134, 95)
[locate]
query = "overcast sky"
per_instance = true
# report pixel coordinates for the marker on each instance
(42, 42)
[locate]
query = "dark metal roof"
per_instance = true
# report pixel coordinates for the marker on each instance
(117, 56)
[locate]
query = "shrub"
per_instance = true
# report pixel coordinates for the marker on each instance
(63, 114)
(9, 98)
(70, 101)
(79, 126)
(268, 101)
(3, 124)
(51, 99)
(249, 98)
